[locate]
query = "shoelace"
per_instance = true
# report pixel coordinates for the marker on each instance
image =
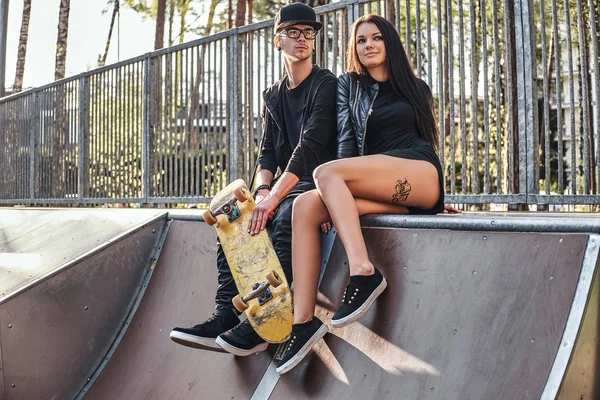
(349, 293)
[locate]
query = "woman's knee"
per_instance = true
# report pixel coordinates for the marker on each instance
(302, 206)
(306, 207)
(325, 173)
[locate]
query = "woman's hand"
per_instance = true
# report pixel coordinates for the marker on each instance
(326, 227)
(263, 211)
(448, 209)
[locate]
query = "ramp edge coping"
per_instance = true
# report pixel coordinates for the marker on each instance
(569, 337)
(526, 222)
(140, 295)
(504, 223)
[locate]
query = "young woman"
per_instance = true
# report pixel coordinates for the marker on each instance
(387, 142)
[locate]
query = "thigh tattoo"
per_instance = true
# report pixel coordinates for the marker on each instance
(402, 191)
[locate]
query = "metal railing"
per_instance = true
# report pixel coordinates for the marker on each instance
(516, 88)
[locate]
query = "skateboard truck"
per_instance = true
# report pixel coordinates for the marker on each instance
(259, 291)
(230, 208)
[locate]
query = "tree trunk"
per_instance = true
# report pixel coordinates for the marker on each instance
(512, 110)
(474, 170)
(585, 57)
(171, 18)
(61, 42)
(392, 12)
(102, 60)
(211, 16)
(543, 126)
(194, 97)
(446, 79)
(183, 11)
(57, 154)
(160, 24)
(240, 13)
(229, 14)
(22, 52)
(250, 7)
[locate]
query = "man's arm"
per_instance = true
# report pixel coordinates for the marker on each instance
(267, 161)
(317, 131)
(284, 184)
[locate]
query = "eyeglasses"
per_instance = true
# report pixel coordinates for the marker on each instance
(293, 33)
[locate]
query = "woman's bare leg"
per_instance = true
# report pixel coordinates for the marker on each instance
(384, 179)
(308, 214)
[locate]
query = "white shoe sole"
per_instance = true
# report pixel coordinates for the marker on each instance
(196, 342)
(359, 312)
(240, 352)
(297, 359)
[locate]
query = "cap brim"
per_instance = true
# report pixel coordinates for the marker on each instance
(316, 25)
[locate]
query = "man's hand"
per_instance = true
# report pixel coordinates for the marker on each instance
(261, 194)
(326, 227)
(263, 211)
(448, 209)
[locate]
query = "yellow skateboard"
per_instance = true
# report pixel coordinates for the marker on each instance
(264, 293)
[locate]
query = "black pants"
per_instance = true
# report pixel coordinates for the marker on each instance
(281, 235)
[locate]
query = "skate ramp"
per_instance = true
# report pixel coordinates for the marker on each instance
(467, 315)
(146, 364)
(68, 279)
(36, 243)
(477, 307)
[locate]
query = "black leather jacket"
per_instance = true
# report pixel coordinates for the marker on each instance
(354, 102)
(317, 135)
(356, 95)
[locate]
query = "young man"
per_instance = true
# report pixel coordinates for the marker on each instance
(299, 117)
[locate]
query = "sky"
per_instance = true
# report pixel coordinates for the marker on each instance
(88, 31)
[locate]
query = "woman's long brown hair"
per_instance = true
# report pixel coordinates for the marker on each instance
(402, 76)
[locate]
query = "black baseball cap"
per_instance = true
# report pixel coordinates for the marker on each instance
(296, 14)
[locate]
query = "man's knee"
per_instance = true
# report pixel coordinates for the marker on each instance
(283, 215)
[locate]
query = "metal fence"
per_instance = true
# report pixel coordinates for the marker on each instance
(516, 87)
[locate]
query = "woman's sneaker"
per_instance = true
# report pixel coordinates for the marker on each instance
(203, 335)
(358, 297)
(302, 339)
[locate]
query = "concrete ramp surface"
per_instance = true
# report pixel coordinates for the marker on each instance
(477, 307)
(68, 280)
(467, 314)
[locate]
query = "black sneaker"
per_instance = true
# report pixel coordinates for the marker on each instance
(298, 345)
(203, 335)
(358, 298)
(242, 340)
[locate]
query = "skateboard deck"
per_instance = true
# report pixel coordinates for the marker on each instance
(264, 293)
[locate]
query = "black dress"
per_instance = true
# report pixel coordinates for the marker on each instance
(392, 130)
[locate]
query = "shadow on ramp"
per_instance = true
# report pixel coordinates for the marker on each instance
(466, 315)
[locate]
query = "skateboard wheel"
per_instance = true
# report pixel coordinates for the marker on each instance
(252, 311)
(209, 218)
(239, 304)
(240, 194)
(273, 279)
